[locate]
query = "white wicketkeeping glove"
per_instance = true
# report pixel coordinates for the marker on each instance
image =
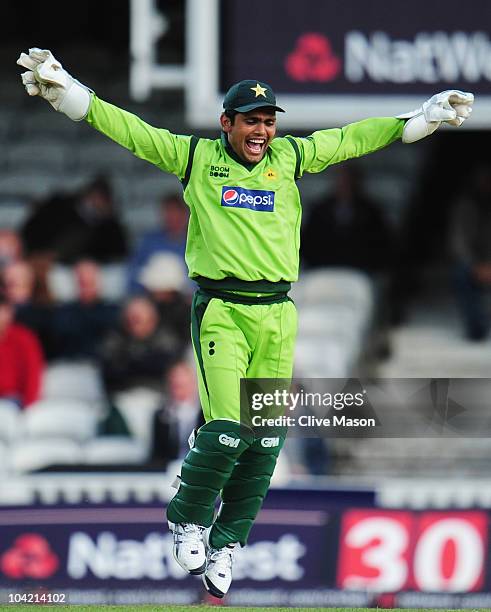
(452, 107)
(47, 78)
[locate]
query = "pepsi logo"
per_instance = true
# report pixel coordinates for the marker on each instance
(231, 197)
(253, 199)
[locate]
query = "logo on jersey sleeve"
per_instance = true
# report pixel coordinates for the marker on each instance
(254, 199)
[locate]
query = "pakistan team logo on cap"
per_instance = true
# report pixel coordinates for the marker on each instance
(259, 91)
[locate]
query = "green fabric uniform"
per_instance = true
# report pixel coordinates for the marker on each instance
(228, 241)
(243, 250)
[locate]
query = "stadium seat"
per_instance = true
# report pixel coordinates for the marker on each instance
(334, 285)
(13, 211)
(391, 190)
(74, 381)
(323, 358)
(331, 320)
(153, 186)
(28, 185)
(335, 310)
(70, 419)
(5, 123)
(137, 407)
(141, 218)
(44, 156)
(61, 283)
(4, 459)
(103, 156)
(114, 281)
(32, 455)
(42, 124)
(10, 419)
(110, 450)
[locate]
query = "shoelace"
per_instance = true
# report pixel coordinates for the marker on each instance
(189, 533)
(222, 557)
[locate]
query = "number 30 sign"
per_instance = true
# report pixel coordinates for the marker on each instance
(390, 551)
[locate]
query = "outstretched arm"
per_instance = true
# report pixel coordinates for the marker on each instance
(47, 78)
(158, 146)
(327, 147)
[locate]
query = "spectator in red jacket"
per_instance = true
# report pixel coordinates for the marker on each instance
(21, 359)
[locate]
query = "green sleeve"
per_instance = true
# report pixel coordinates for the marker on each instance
(158, 146)
(327, 147)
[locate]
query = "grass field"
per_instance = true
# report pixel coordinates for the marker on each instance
(204, 608)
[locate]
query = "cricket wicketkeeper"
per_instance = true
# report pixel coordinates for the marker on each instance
(243, 252)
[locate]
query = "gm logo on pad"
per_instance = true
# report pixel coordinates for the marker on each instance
(236, 197)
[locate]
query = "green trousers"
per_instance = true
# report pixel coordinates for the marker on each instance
(235, 340)
(232, 340)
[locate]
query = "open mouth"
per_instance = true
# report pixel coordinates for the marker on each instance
(255, 146)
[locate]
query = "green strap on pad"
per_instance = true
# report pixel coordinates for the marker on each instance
(243, 494)
(205, 470)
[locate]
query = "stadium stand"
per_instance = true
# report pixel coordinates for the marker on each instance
(37, 454)
(69, 419)
(77, 381)
(114, 450)
(335, 312)
(10, 420)
(45, 152)
(62, 284)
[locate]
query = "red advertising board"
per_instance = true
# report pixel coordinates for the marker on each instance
(391, 551)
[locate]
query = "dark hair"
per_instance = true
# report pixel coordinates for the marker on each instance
(231, 114)
(101, 184)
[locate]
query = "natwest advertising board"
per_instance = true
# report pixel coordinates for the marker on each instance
(306, 549)
(345, 47)
(123, 554)
(342, 60)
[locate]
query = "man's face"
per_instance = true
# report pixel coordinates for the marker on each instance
(250, 133)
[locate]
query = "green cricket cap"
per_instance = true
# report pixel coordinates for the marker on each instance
(248, 95)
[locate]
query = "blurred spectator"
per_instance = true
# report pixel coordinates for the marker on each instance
(169, 237)
(178, 416)
(12, 251)
(347, 228)
(21, 359)
(470, 243)
(80, 326)
(165, 280)
(136, 354)
(69, 228)
(10, 247)
(18, 282)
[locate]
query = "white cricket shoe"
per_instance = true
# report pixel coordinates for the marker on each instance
(189, 547)
(218, 575)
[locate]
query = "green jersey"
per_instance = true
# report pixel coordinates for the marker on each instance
(244, 218)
